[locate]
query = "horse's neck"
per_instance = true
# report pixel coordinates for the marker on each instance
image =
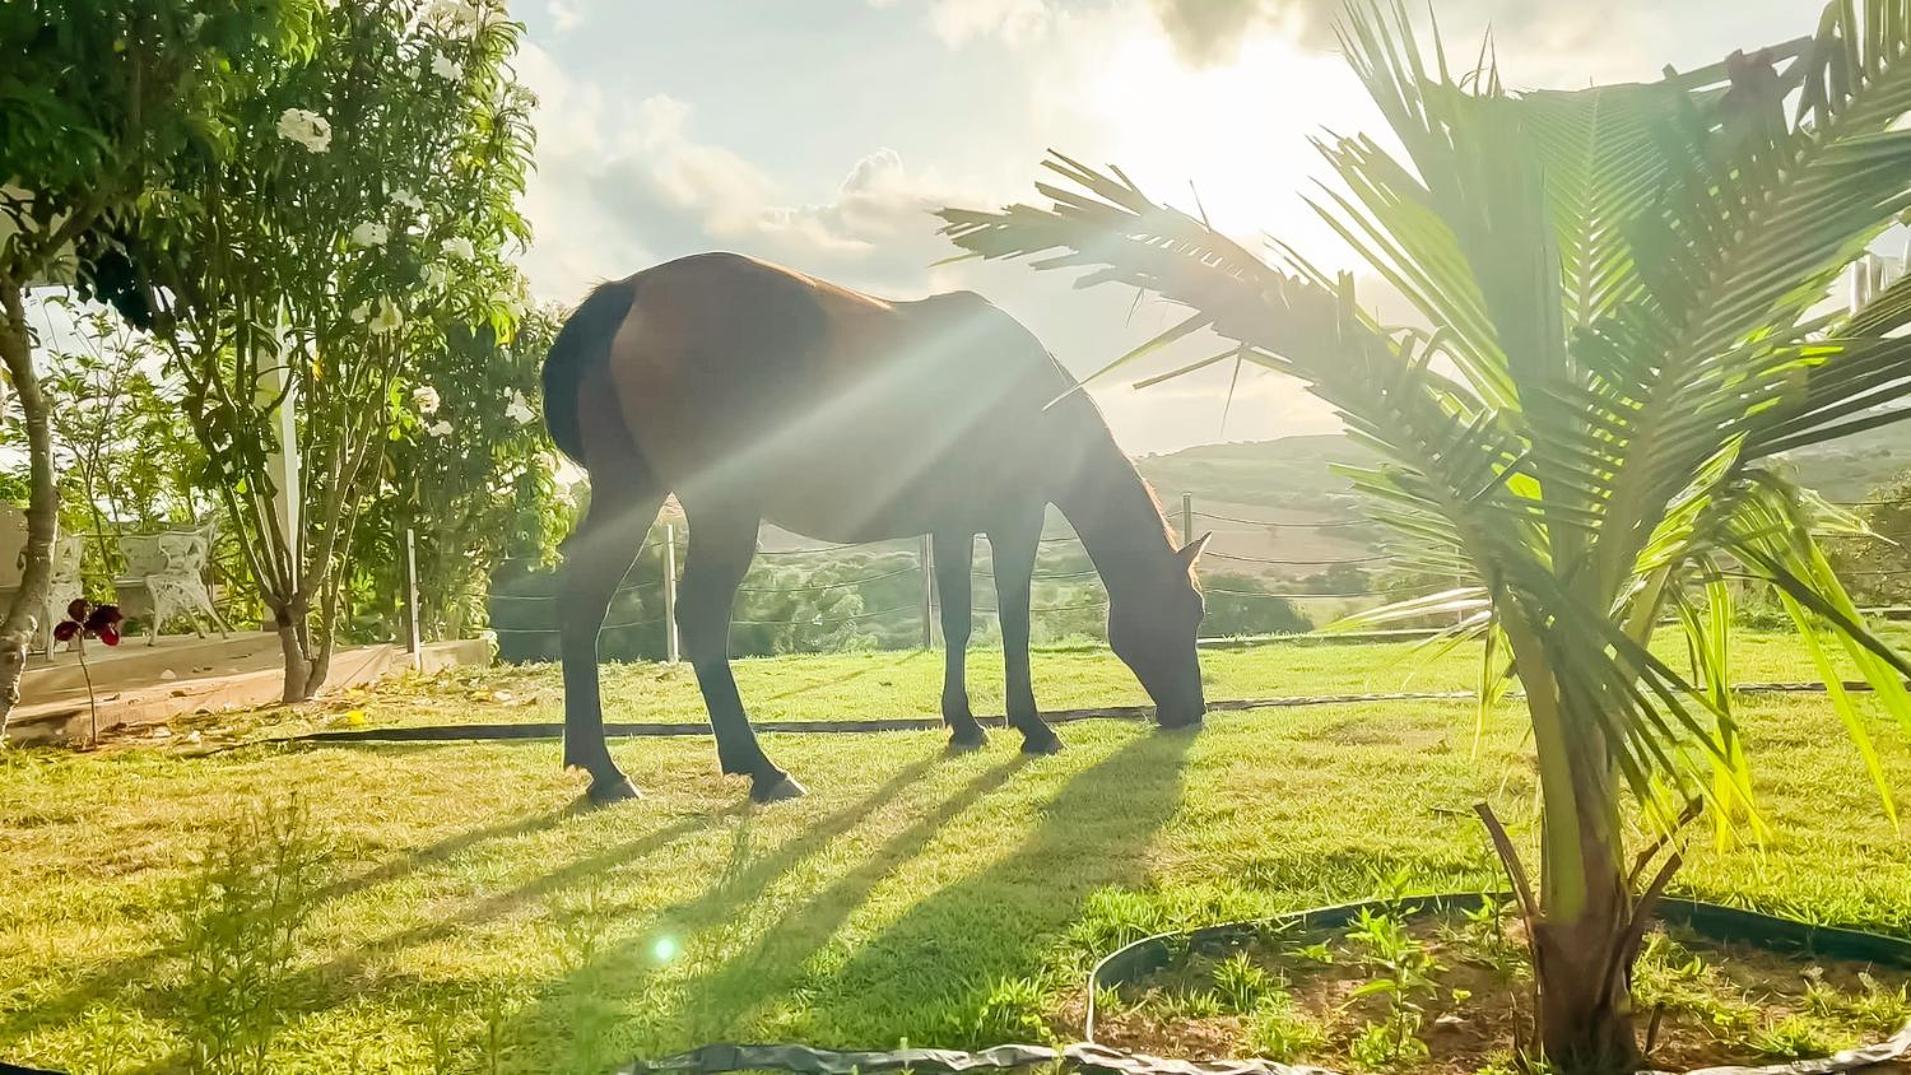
(1117, 518)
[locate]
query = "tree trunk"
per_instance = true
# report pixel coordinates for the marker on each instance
(1583, 950)
(286, 620)
(1581, 919)
(43, 501)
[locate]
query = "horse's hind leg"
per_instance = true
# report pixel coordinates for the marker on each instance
(596, 557)
(722, 543)
(1013, 547)
(954, 558)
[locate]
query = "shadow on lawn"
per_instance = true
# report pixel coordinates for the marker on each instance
(579, 1006)
(927, 976)
(921, 977)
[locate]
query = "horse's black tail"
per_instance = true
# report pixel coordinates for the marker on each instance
(584, 340)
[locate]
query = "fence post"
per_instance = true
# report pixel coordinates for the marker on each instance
(412, 645)
(670, 593)
(928, 594)
(1187, 518)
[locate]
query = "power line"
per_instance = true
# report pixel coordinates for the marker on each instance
(1271, 523)
(1295, 563)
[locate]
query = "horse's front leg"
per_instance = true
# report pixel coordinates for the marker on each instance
(1013, 550)
(722, 543)
(954, 558)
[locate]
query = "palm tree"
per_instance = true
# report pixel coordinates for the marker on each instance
(1621, 286)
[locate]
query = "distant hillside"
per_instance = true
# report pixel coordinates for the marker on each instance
(1291, 474)
(1851, 468)
(1288, 481)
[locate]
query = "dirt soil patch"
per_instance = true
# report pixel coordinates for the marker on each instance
(1452, 992)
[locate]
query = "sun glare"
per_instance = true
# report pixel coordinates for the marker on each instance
(1237, 131)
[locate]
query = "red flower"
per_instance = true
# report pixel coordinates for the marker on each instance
(91, 621)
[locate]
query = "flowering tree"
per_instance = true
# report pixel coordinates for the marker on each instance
(99, 95)
(471, 473)
(360, 207)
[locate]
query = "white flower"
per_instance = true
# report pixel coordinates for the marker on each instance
(435, 276)
(370, 233)
(440, 428)
(457, 16)
(445, 67)
(308, 129)
(519, 409)
(407, 199)
(362, 311)
(460, 247)
(387, 319)
(425, 398)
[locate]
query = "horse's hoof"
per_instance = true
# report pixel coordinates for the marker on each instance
(786, 788)
(1042, 742)
(968, 740)
(606, 792)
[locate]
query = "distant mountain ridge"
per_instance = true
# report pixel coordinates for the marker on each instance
(1293, 475)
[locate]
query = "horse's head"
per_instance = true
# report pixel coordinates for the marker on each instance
(1152, 627)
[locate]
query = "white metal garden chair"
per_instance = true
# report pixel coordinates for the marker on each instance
(65, 584)
(165, 577)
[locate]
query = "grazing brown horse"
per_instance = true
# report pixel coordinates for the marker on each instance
(754, 392)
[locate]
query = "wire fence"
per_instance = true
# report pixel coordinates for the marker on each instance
(1322, 583)
(1078, 582)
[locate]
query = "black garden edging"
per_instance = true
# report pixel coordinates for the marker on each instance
(453, 733)
(1715, 921)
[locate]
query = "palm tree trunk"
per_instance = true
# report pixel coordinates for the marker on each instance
(43, 501)
(1582, 959)
(1581, 922)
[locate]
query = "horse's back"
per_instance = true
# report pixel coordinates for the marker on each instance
(823, 403)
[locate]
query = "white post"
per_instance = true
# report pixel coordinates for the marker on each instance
(928, 594)
(282, 464)
(412, 644)
(671, 649)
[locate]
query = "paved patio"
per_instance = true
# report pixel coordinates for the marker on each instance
(180, 674)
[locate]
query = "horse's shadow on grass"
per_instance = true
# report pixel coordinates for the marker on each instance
(926, 976)
(919, 975)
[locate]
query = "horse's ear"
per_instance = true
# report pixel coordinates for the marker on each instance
(1191, 552)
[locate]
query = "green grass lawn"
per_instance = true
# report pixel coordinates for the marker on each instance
(466, 909)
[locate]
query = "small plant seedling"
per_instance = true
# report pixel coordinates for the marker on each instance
(1280, 1031)
(240, 916)
(1011, 1011)
(1319, 952)
(1793, 1037)
(1405, 980)
(1242, 982)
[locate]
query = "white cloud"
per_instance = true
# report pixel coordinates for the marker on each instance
(1015, 21)
(564, 15)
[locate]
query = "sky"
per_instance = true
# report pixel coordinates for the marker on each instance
(821, 134)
